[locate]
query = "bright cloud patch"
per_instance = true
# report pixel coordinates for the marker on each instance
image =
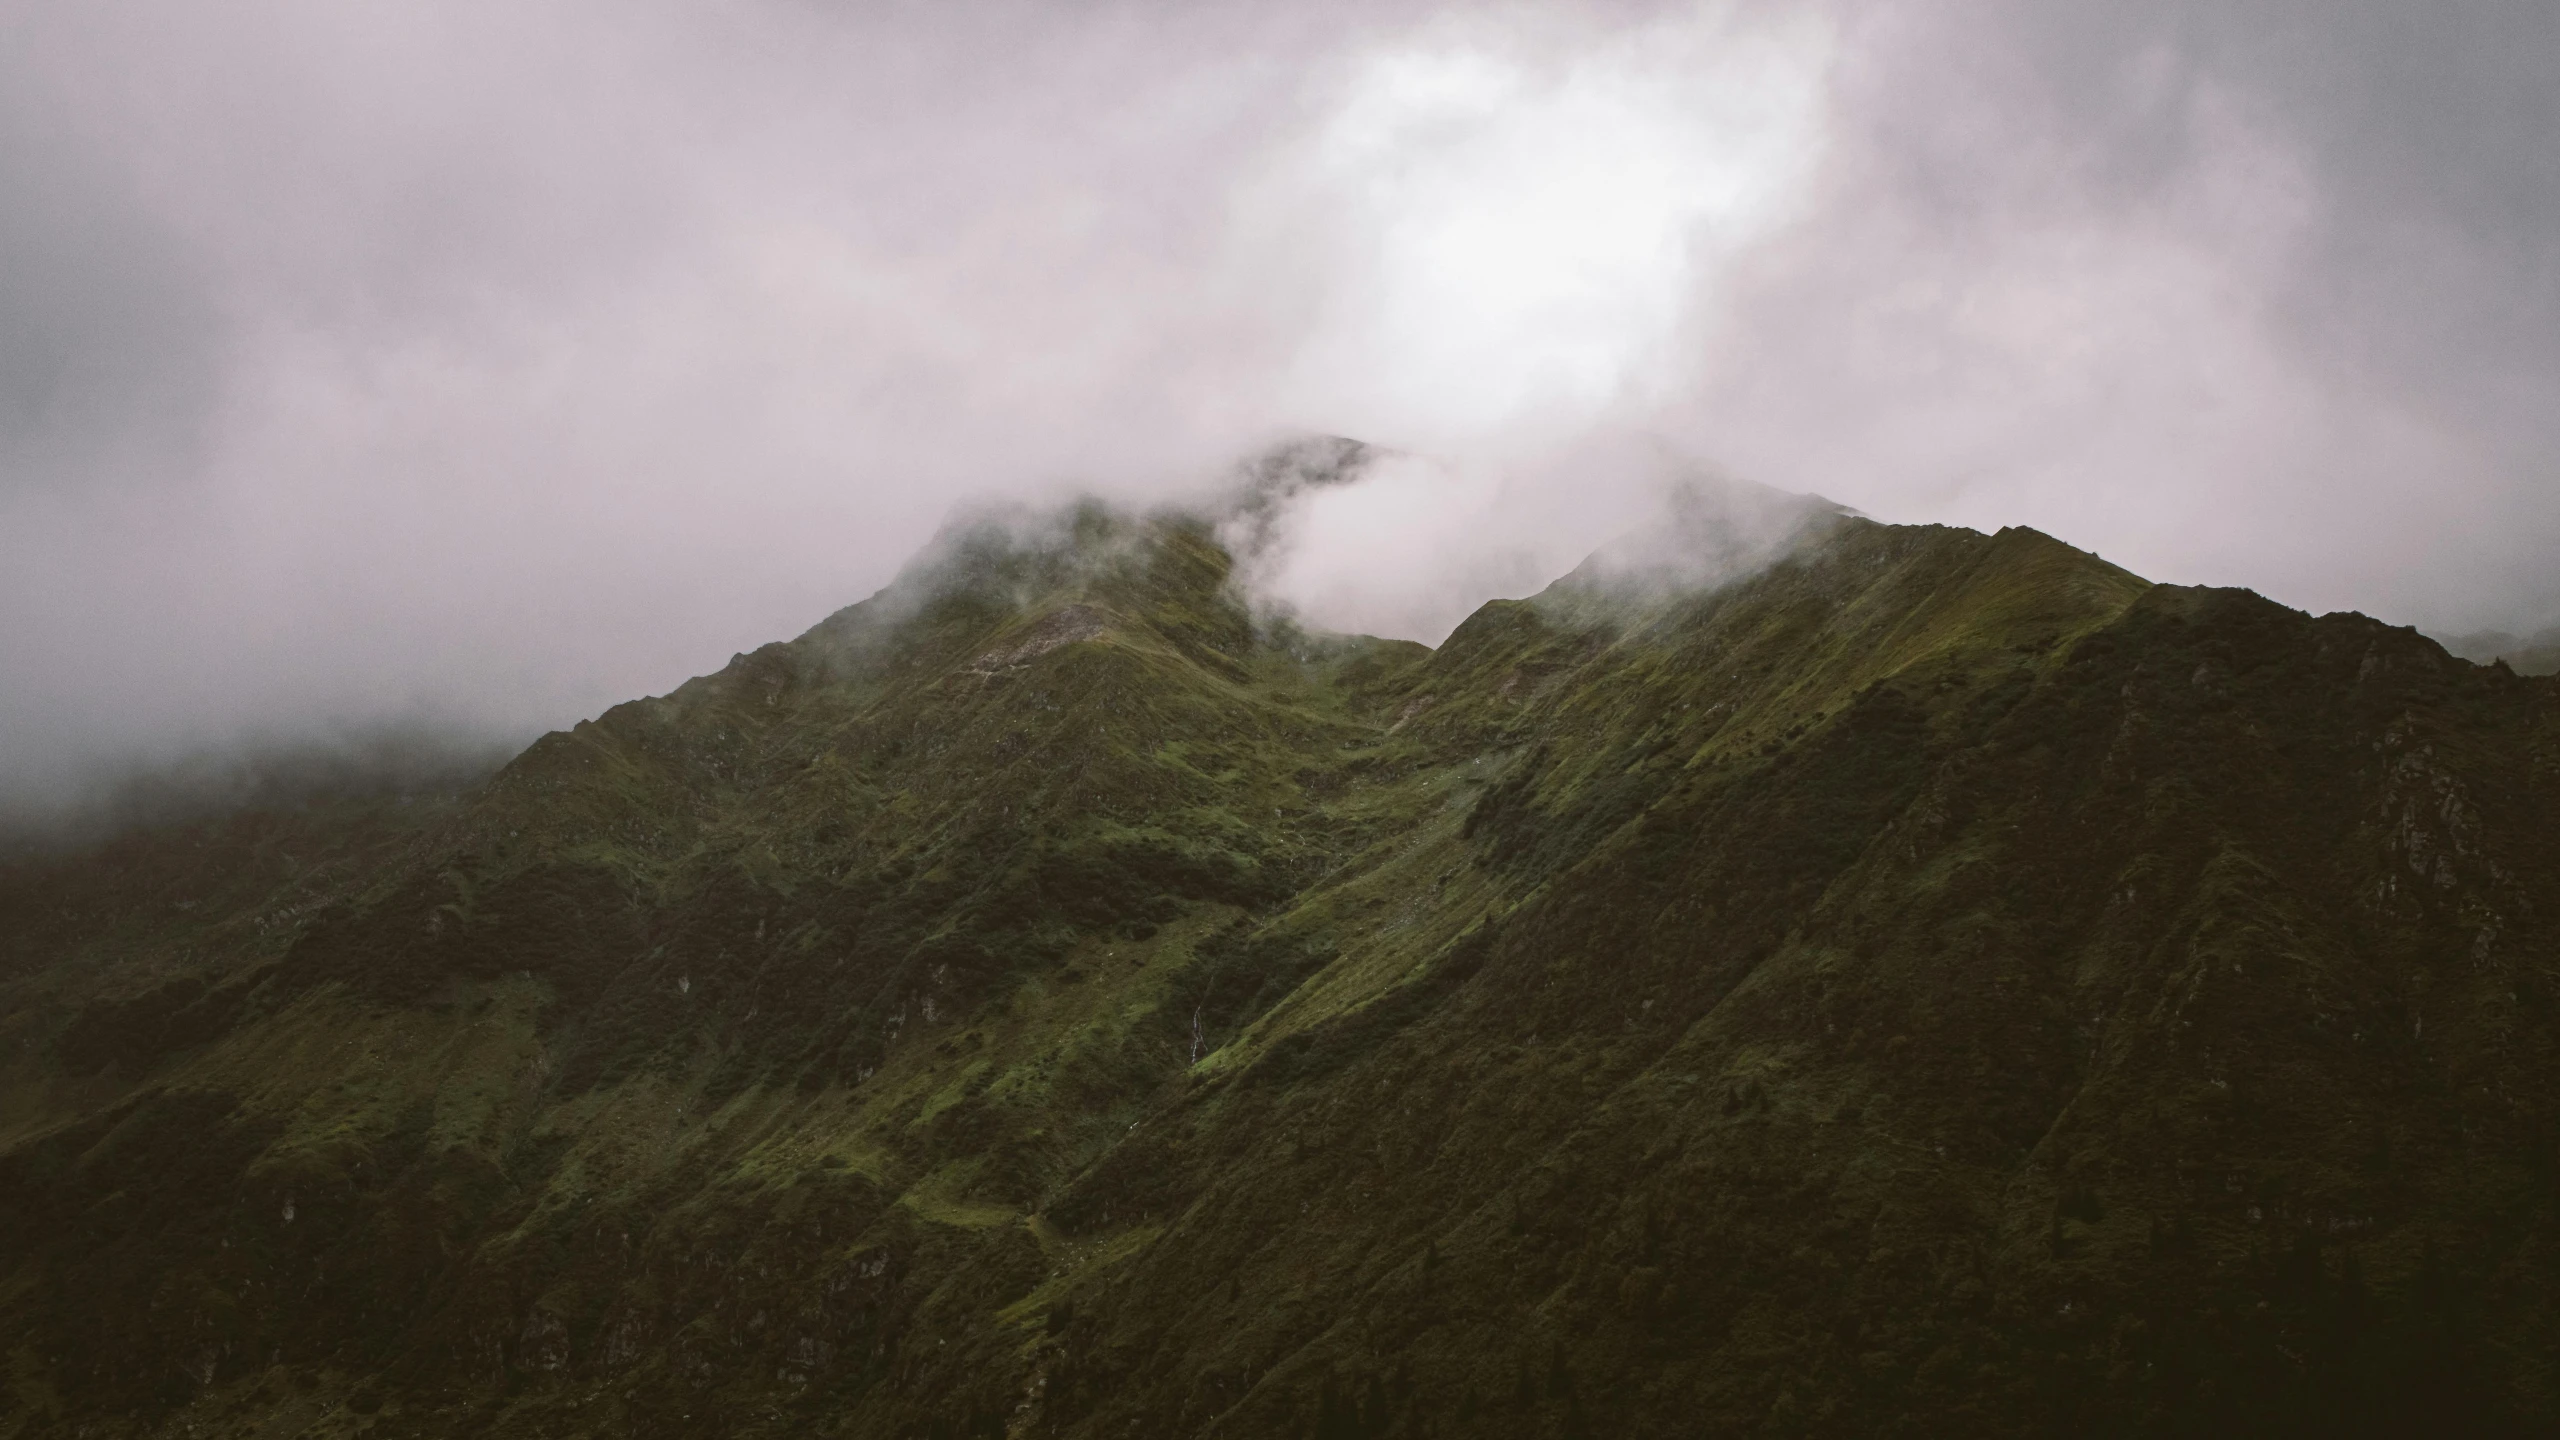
(1530, 233)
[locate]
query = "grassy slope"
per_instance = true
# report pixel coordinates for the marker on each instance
(1939, 981)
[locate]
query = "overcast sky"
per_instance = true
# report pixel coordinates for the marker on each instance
(487, 363)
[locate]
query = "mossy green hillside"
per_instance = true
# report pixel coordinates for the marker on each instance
(1936, 982)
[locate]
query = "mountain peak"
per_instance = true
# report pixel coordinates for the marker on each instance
(1042, 999)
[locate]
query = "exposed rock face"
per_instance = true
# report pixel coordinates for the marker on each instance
(1065, 625)
(1935, 984)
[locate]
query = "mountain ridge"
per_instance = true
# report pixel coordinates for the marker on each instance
(1794, 1004)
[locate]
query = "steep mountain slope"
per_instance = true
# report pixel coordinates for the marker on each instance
(1937, 982)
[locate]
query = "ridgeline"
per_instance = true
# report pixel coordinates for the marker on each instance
(1935, 983)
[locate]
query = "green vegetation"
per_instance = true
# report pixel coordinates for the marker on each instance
(1936, 984)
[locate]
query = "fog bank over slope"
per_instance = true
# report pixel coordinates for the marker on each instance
(493, 364)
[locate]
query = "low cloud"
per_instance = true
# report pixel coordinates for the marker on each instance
(479, 365)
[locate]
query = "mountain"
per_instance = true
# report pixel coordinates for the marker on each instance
(1912, 982)
(2539, 655)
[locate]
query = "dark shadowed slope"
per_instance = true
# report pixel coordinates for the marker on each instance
(1937, 984)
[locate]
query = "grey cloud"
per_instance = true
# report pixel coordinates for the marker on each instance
(106, 341)
(2255, 293)
(2427, 130)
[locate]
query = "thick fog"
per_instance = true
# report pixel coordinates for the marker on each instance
(478, 365)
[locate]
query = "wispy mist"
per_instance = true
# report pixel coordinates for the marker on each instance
(478, 365)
